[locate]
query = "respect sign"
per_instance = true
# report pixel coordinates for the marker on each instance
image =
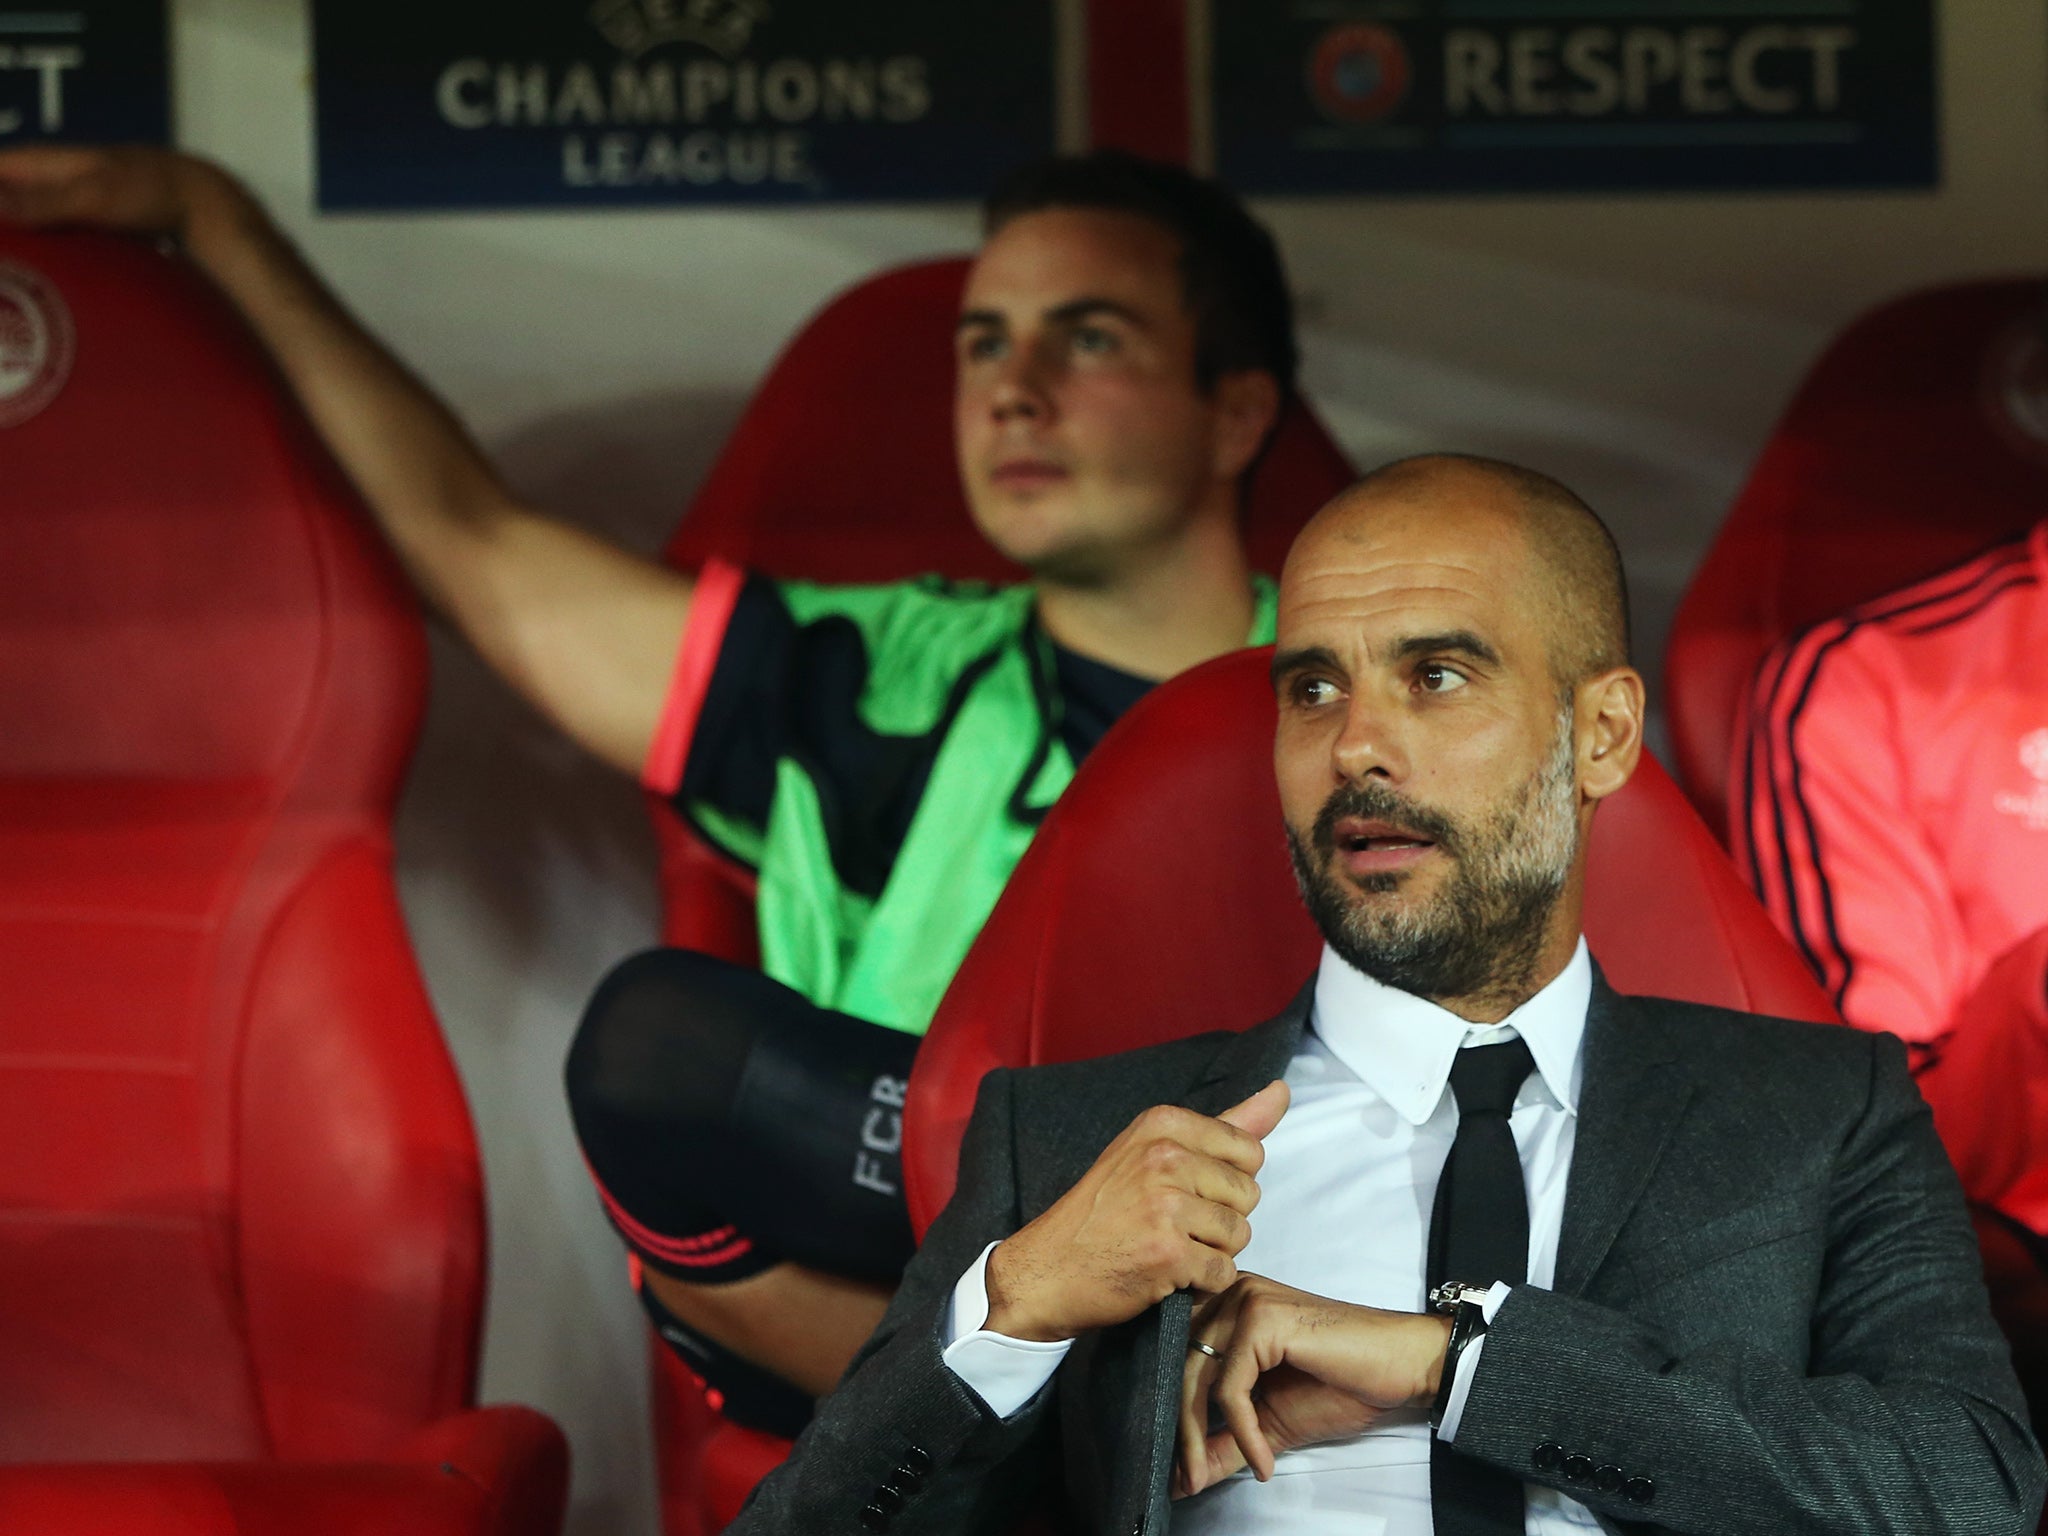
(96, 71)
(1537, 95)
(474, 103)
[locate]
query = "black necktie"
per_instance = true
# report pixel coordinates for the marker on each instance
(1479, 1233)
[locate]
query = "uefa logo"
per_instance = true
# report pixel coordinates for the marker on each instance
(36, 343)
(1359, 73)
(2034, 754)
(2032, 807)
(636, 26)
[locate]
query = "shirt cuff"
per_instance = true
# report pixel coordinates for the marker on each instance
(1468, 1365)
(1005, 1373)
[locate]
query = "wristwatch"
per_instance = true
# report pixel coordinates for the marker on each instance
(1465, 1305)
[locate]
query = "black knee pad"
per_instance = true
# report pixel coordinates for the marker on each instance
(732, 1123)
(651, 1077)
(820, 1114)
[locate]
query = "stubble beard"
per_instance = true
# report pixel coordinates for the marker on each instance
(1483, 934)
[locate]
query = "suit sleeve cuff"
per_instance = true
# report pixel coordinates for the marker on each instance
(1468, 1365)
(1005, 1373)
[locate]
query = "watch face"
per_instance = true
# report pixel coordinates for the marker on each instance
(1449, 1295)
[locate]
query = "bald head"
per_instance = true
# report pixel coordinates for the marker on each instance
(1571, 558)
(1452, 702)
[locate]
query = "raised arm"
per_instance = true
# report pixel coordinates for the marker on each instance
(586, 630)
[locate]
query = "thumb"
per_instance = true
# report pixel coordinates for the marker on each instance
(1257, 1115)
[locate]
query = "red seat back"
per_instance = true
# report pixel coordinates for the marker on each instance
(842, 469)
(1226, 941)
(240, 1187)
(1896, 457)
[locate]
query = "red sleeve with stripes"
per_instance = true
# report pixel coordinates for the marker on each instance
(1824, 826)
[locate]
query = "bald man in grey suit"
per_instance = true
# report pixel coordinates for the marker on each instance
(1743, 1293)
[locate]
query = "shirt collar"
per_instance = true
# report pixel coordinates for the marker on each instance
(1402, 1046)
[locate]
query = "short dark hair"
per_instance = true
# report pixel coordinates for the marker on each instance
(1232, 279)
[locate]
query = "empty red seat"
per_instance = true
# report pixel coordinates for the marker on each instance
(242, 1245)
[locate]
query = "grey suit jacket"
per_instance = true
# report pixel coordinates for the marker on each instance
(1768, 1312)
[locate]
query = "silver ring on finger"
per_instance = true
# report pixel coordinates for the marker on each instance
(1208, 1349)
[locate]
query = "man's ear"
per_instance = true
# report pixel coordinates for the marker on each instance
(1247, 404)
(1610, 730)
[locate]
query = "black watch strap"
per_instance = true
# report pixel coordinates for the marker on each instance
(1466, 1307)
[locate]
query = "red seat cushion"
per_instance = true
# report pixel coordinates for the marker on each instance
(489, 1472)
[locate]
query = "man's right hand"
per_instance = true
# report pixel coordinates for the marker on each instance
(1164, 1208)
(135, 188)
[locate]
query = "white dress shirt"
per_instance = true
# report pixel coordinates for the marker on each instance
(1348, 1184)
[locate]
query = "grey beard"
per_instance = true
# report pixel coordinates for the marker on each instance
(1483, 933)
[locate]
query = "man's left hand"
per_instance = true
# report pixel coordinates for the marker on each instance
(1294, 1369)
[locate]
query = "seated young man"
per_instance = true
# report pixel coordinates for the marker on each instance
(881, 755)
(1890, 804)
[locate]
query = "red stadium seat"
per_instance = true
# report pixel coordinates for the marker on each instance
(241, 1268)
(829, 479)
(1897, 457)
(1180, 799)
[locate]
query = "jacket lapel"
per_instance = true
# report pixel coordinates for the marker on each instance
(1634, 1090)
(1248, 1061)
(1132, 1374)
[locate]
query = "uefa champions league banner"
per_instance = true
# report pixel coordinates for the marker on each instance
(95, 71)
(496, 104)
(1341, 96)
